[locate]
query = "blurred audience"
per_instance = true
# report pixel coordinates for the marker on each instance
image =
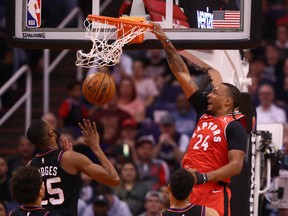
(5, 195)
(26, 152)
(129, 101)
(154, 172)
(184, 115)
(51, 119)
(165, 194)
(72, 110)
(115, 205)
(111, 117)
(86, 191)
(171, 144)
(153, 204)
(267, 111)
(125, 146)
(145, 86)
(131, 190)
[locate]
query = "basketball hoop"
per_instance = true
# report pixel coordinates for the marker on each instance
(103, 52)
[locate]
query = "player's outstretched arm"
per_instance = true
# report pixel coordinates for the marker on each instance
(211, 212)
(176, 63)
(73, 162)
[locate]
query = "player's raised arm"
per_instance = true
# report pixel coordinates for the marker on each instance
(73, 161)
(176, 63)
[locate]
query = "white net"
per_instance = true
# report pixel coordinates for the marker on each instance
(102, 52)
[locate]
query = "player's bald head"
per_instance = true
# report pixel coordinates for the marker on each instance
(37, 132)
(234, 93)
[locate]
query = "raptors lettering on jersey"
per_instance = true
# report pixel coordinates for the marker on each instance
(215, 130)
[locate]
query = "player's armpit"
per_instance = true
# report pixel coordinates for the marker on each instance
(73, 162)
(211, 212)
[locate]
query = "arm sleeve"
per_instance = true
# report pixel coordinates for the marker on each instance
(199, 101)
(236, 136)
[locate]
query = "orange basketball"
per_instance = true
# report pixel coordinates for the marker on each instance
(98, 88)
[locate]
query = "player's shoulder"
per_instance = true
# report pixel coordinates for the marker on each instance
(48, 213)
(235, 125)
(211, 212)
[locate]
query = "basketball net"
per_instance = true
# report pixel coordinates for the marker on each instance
(103, 52)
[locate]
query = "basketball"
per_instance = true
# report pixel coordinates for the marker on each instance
(98, 88)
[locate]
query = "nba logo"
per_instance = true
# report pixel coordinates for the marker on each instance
(33, 18)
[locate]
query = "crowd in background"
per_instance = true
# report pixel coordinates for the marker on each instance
(145, 129)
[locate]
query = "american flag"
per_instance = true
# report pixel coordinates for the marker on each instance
(226, 19)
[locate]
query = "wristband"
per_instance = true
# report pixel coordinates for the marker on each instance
(165, 41)
(201, 178)
(205, 178)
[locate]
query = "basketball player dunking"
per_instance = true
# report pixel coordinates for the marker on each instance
(60, 169)
(216, 149)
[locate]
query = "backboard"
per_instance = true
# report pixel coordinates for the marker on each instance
(190, 24)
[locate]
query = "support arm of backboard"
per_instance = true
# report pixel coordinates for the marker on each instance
(226, 65)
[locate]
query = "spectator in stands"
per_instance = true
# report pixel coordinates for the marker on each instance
(5, 195)
(116, 206)
(145, 86)
(72, 110)
(123, 69)
(129, 101)
(125, 148)
(185, 116)
(26, 151)
(153, 204)
(131, 190)
(100, 206)
(68, 134)
(285, 66)
(154, 172)
(171, 144)
(6, 68)
(272, 61)
(3, 210)
(165, 194)
(255, 73)
(157, 68)
(282, 37)
(268, 23)
(86, 191)
(111, 117)
(51, 119)
(267, 111)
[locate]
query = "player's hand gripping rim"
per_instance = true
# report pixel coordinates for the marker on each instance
(159, 33)
(89, 132)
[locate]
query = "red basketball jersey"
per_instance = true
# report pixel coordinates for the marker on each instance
(208, 148)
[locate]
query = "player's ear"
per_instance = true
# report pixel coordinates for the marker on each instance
(169, 188)
(51, 133)
(229, 102)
